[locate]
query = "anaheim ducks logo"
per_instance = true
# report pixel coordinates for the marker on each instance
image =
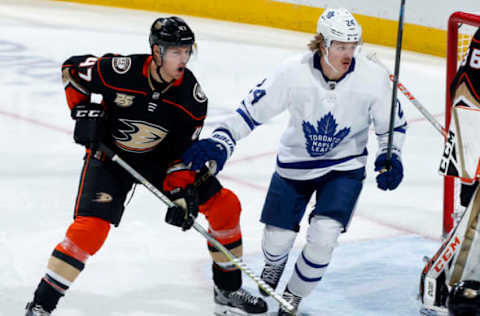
(103, 197)
(139, 136)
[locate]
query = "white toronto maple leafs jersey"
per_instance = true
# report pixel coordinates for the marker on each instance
(328, 126)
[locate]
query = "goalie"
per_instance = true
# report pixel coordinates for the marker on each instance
(450, 281)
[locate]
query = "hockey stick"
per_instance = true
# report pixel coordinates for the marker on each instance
(199, 228)
(411, 97)
(395, 83)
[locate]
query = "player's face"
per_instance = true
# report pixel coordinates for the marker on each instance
(340, 55)
(174, 62)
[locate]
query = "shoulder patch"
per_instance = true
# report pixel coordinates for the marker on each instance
(121, 64)
(198, 93)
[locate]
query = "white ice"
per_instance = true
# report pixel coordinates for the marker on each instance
(147, 267)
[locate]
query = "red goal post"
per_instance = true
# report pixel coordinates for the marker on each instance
(461, 27)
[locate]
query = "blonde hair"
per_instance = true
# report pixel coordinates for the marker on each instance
(316, 43)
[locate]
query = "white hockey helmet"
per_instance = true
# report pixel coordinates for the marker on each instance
(338, 25)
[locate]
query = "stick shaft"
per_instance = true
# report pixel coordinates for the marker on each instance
(412, 98)
(199, 228)
(395, 82)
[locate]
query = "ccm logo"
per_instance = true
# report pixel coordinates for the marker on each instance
(89, 113)
(447, 152)
(447, 254)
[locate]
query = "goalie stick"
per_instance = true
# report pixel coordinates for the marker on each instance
(410, 97)
(452, 262)
(199, 228)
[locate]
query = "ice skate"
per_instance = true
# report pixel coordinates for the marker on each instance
(35, 310)
(293, 299)
(271, 274)
(238, 303)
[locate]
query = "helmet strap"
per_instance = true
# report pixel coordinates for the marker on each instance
(327, 45)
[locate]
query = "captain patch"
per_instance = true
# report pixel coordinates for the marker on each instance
(121, 64)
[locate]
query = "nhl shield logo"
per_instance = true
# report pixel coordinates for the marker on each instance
(121, 64)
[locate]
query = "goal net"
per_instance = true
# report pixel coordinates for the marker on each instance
(461, 27)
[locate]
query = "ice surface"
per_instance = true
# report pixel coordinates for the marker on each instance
(149, 268)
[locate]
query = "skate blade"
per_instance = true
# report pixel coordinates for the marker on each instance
(433, 311)
(222, 310)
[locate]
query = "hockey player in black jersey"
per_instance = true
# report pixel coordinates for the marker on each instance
(464, 296)
(149, 109)
(451, 278)
(465, 91)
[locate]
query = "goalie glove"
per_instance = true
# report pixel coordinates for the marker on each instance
(89, 124)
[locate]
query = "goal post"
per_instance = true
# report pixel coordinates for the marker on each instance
(461, 27)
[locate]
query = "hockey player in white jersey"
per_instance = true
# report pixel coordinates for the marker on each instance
(332, 94)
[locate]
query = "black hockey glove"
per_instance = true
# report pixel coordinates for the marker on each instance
(89, 124)
(186, 210)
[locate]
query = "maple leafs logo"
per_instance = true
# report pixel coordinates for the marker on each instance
(325, 137)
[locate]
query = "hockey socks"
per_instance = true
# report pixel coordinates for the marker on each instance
(226, 280)
(46, 296)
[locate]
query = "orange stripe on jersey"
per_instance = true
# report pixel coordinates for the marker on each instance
(75, 97)
(475, 40)
(145, 66)
(82, 182)
(145, 72)
(467, 107)
(184, 110)
(178, 81)
(113, 87)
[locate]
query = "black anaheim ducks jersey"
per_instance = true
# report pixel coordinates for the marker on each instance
(149, 125)
(465, 88)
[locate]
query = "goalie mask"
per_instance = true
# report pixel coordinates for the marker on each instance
(464, 299)
(171, 31)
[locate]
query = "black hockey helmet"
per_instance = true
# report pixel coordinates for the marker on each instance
(171, 31)
(464, 299)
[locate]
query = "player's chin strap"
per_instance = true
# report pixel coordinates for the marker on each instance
(199, 228)
(325, 58)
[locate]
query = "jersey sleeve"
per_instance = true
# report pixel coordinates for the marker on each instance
(185, 137)
(80, 79)
(381, 112)
(192, 113)
(266, 100)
